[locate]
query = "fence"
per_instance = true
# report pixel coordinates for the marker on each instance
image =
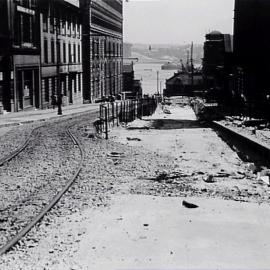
(126, 111)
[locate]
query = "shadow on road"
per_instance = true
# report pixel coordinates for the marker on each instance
(165, 124)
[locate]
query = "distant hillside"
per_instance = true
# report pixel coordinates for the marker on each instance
(166, 53)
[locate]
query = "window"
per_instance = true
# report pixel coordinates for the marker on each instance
(45, 23)
(52, 52)
(33, 3)
(69, 53)
(51, 24)
(75, 83)
(63, 27)
(73, 27)
(74, 53)
(58, 52)
(68, 28)
(79, 53)
(27, 28)
(45, 51)
(17, 29)
(64, 53)
(79, 82)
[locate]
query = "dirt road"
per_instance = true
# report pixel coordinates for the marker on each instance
(127, 212)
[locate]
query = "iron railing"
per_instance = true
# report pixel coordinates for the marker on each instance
(114, 113)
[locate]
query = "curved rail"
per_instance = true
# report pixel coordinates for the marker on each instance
(47, 208)
(19, 149)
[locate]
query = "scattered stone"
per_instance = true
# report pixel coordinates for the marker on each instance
(167, 111)
(133, 139)
(189, 205)
(209, 179)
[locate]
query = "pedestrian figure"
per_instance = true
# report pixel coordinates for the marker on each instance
(53, 98)
(59, 104)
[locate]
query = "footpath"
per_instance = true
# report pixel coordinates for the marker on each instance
(24, 117)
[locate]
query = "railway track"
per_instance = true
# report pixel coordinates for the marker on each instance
(48, 192)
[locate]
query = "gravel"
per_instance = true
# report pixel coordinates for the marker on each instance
(30, 180)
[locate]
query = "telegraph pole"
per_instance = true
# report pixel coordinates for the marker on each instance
(157, 82)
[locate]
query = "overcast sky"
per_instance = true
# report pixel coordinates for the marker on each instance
(175, 21)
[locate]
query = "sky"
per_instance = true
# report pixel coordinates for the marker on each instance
(175, 21)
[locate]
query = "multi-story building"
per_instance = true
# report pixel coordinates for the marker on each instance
(252, 49)
(102, 48)
(40, 53)
(217, 64)
(19, 55)
(61, 57)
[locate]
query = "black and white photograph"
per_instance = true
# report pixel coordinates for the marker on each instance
(134, 135)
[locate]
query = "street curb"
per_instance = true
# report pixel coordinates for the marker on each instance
(258, 147)
(49, 118)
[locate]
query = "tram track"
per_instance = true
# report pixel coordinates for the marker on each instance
(44, 197)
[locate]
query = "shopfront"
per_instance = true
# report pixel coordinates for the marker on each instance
(27, 88)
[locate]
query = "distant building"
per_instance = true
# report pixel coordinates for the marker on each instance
(181, 84)
(252, 49)
(102, 48)
(131, 88)
(128, 77)
(217, 63)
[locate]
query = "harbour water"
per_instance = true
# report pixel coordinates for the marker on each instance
(153, 78)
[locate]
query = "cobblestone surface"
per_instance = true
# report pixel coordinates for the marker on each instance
(30, 180)
(13, 137)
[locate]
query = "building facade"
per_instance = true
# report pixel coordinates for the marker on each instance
(19, 55)
(61, 57)
(40, 53)
(252, 49)
(102, 30)
(217, 64)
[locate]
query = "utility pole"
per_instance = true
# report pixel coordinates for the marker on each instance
(157, 82)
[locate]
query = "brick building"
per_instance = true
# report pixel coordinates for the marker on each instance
(102, 51)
